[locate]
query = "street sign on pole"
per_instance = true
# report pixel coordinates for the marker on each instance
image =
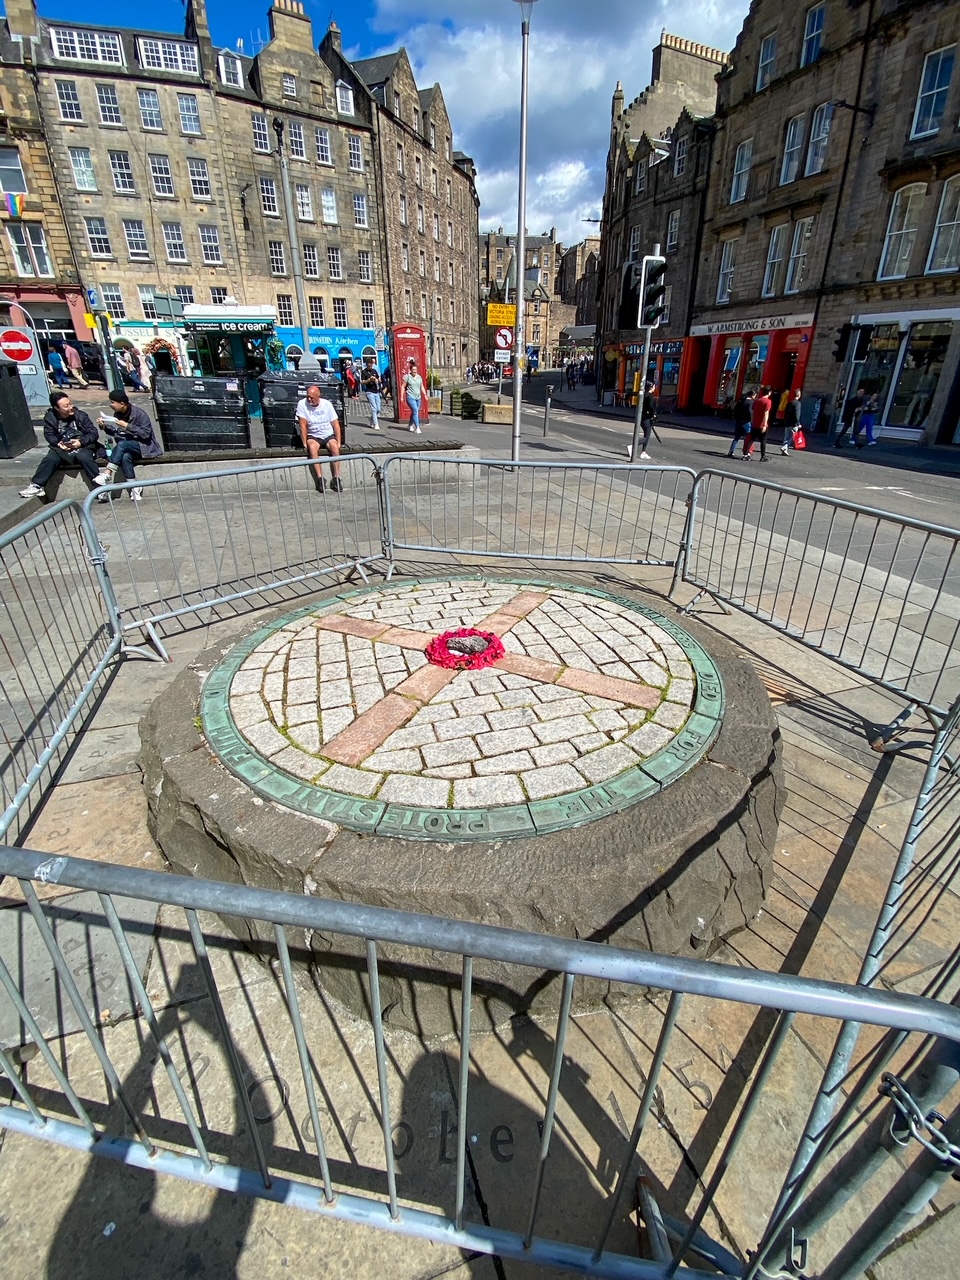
(501, 313)
(501, 357)
(504, 338)
(16, 345)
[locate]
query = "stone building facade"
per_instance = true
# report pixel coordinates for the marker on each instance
(834, 200)
(430, 209)
(658, 166)
(251, 183)
(577, 280)
(546, 314)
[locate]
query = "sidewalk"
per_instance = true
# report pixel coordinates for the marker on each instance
(67, 1217)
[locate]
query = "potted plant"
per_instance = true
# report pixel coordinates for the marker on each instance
(456, 400)
(434, 393)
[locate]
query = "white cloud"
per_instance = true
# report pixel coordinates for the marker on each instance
(577, 55)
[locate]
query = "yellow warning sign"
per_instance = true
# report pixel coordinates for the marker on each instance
(501, 313)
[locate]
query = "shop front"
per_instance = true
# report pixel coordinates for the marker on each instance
(728, 358)
(229, 339)
(663, 368)
(907, 360)
(335, 348)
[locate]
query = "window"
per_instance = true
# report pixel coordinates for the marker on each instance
(11, 171)
(69, 100)
(673, 230)
(311, 261)
(633, 252)
(901, 232)
(97, 237)
(109, 104)
(680, 157)
(289, 85)
(261, 138)
(210, 246)
(423, 306)
(323, 147)
(230, 72)
(268, 197)
(278, 257)
(284, 308)
(83, 176)
(29, 249)
(359, 210)
(741, 171)
(161, 175)
(446, 146)
(122, 172)
(367, 315)
(418, 171)
(812, 35)
(400, 167)
(334, 264)
(168, 55)
(536, 333)
(148, 302)
(298, 145)
(416, 119)
(365, 265)
(640, 179)
(421, 219)
(945, 249)
(665, 303)
(396, 105)
(199, 179)
(433, 135)
(436, 226)
(355, 146)
(423, 263)
(149, 102)
(797, 265)
(767, 62)
(434, 182)
(304, 202)
(136, 238)
(328, 205)
(184, 293)
(728, 264)
(316, 312)
(407, 302)
(218, 295)
(436, 269)
(340, 313)
(450, 234)
(771, 274)
(113, 301)
(449, 193)
(819, 137)
(403, 210)
(173, 241)
(344, 99)
(405, 257)
(934, 86)
(86, 46)
(189, 112)
(792, 149)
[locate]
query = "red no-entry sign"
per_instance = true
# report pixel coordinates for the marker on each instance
(16, 345)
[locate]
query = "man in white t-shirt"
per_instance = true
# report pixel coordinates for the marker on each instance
(319, 429)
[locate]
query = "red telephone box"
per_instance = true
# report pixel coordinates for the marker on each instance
(408, 342)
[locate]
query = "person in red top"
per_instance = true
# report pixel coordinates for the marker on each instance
(759, 421)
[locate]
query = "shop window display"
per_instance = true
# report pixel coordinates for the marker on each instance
(926, 348)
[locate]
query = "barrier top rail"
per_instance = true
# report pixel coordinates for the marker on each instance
(490, 942)
(34, 521)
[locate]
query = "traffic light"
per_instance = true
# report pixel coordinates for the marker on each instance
(652, 292)
(842, 343)
(861, 348)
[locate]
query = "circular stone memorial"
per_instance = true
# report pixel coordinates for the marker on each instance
(535, 755)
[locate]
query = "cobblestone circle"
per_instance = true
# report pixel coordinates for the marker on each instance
(334, 710)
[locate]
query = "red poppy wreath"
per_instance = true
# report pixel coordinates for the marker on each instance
(464, 650)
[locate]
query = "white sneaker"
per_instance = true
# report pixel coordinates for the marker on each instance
(784, 452)
(103, 478)
(375, 426)
(136, 495)
(645, 455)
(32, 491)
(417, 431)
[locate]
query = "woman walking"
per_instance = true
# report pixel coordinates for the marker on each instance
(413, 394)
(134, 437)
(791, 422)
(741, 419)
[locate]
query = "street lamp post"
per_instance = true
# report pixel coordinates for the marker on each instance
(526, 9)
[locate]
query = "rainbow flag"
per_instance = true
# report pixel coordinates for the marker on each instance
(14, 205)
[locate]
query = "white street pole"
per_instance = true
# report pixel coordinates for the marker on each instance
(526, 9)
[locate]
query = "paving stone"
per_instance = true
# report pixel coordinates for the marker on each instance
(565, 729)
(426, 683)
(301, 690)
(407, 760)
(430, 793)
(671, 715)
(513, 762)
(302, 713)
(248, 709)
(265, 738)
(589, 742)
(351, 626)
(511, 718)
(355, 782)
(552, 781)
(246, 682)
(306, 736)
(565, 707)
(300, 669)
(451, 771)
(455, 752)
(299, 763)
(628, 691)
(555, 753)
(408, 639)
(336, 693)
(339, 670)
(649, 738)
(476, 705)
(478, 792)
(368, 731)
(516, 698)
(600, 765)
(366, 696)
(681, 691)
(334, 720)
(415, 734)
(461, 727)
(608, 720)
(532, 668)
(505, 740)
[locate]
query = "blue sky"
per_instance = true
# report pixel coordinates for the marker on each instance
(578, 53)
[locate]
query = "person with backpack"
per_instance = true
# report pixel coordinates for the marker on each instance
(741, 420)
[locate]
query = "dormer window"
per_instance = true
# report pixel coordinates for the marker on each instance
(290, 85)
(86, 46)
(344, 99)
(230, 70)
(168, 55)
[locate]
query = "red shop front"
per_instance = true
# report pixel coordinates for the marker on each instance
(735, 356)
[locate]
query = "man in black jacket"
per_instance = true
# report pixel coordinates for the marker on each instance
(72, 438)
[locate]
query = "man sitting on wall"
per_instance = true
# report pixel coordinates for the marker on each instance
(72, 438)
(319, 429)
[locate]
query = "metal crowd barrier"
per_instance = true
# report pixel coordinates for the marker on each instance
(196, 543)
(877, 593)
(180, 1112)
(580, 513)
(57, 638)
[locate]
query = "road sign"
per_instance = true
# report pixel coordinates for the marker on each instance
(93, 297)
(16, 344)
(504, 338)
(499, 313)
(501, 357)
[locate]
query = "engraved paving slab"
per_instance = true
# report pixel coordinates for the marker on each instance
(337, 712)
